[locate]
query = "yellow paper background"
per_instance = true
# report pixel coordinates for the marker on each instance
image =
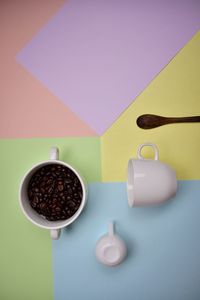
(174, 92)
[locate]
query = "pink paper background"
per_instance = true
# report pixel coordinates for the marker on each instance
(27, 107)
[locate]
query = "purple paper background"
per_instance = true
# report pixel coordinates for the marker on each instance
(97, 56)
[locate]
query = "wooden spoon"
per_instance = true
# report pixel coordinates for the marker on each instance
(148, 121)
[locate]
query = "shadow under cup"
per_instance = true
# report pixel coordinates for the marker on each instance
(32, 214)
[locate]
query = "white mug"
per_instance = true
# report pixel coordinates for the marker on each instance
(31, 214)
(149, 180)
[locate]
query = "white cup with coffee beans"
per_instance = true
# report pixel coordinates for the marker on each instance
(52, 194)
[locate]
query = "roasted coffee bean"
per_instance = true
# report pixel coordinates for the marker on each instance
(55, 192)
(50, 190)
(43, 205)
(60, 187)
(57, 209)
(36, 199)
(68, 181)
(33, 204)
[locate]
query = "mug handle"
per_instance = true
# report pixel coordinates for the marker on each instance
(55, 234)
(54, 153)
(147, 144)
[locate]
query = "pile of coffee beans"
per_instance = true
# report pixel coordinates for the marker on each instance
(55, 192)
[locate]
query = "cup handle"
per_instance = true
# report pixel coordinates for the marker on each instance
(111, 229)
(55, 234)
(54, 153)
(148, 144)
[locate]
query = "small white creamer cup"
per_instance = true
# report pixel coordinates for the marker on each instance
(31, 214)
(149, 181)
(110, 249)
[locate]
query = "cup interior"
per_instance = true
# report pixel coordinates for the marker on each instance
(35, 217)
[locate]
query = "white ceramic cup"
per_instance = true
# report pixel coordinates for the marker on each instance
(110, 248)
(149, 180)
(31, 214)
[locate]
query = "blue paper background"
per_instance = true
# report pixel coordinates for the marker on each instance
(163, 244)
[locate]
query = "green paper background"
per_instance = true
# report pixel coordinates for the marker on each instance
(26, 250)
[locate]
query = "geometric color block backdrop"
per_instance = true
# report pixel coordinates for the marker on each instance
(97, 56)
(175, 92)
(69, 72)
(27, 108)
(163, 248)
(26, 251)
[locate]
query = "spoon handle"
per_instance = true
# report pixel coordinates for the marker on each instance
(183, 119)
(149, 121)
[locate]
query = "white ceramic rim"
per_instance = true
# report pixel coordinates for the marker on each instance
(130, 183)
